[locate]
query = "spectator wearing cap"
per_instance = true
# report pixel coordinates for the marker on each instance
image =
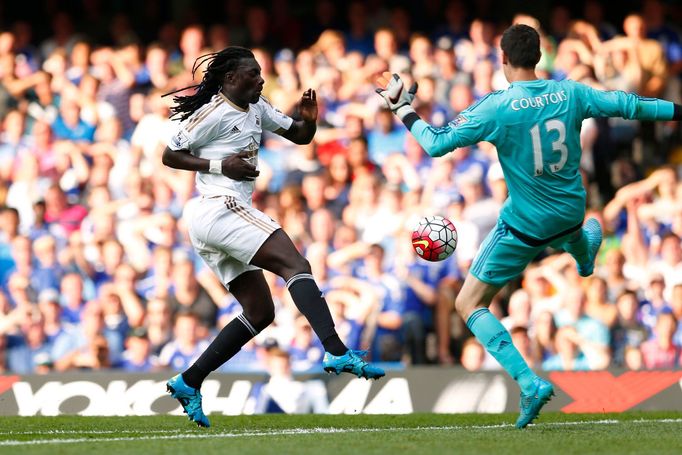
(661, 352)
(136, 357)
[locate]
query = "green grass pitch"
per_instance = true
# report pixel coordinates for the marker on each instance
(636, 432)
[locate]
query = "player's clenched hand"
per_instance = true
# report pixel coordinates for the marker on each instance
(308, 106)
(392, 90)
(237, 168)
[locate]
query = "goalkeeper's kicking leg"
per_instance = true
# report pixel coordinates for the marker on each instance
(472, 305)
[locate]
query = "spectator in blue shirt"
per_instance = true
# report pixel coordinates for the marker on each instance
(185, 348)
(69, 125)
(386, 137)
(387, 342)
(48, 272)
(569, 357)
(306, 350)
(29, 347)
(136, 356)
(420, 281)
(72, 298)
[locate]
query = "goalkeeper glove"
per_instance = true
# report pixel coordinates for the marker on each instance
(397, 98)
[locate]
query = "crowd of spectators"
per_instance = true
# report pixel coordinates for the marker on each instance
(96, 269)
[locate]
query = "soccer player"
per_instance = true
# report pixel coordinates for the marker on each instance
(218, 137)
(535, 125)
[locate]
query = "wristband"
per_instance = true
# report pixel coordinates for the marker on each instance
(215, 167)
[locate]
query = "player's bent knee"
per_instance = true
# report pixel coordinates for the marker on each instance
(261, 317)
(465, 304)
(299, 264)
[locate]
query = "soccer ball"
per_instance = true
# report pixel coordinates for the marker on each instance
(434, 238)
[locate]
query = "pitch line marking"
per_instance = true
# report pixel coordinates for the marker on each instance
(306, 431)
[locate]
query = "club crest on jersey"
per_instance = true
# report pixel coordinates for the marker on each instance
(459, 120)
(257, 120)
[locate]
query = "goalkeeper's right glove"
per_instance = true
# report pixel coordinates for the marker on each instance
(393, 91)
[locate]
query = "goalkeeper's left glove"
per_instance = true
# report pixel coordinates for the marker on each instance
(397, 98)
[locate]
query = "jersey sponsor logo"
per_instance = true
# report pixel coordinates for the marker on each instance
(537, 102)
(459, 120)
(235, 130)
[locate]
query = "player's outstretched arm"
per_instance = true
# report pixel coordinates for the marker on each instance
(235, 166)
(435, 141)
(302, 131)
(599, 103)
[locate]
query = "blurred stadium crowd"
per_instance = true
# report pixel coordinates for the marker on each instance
(96, 270)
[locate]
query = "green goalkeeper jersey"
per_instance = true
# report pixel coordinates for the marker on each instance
(535, 126)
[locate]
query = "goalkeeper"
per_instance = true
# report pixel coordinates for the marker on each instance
(535, 125)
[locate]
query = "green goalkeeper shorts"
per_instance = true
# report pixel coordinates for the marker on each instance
(503, 256)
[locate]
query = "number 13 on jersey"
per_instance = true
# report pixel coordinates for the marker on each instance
(557, 146)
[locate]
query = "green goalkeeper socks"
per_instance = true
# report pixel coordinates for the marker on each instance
(497, 341)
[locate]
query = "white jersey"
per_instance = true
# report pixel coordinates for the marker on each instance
(219, 129)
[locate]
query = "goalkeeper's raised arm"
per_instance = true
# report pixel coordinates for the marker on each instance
(473, 125)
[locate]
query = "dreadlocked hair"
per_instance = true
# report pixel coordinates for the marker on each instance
(219, 63)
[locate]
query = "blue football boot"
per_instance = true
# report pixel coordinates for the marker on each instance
(189, 398)
(530, 405)
(351, 362)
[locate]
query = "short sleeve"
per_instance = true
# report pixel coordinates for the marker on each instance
(202, 127)
(273, 118)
